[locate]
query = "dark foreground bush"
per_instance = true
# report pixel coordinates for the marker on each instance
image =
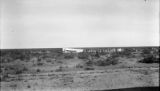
(38, 70)
(89, 68)
(149, 59)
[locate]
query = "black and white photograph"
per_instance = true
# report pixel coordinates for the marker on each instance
(79, 45)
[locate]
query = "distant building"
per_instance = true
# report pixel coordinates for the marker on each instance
(104, 50)
(72, 50)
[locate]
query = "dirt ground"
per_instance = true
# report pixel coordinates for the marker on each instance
(83, 80)
(128, 73)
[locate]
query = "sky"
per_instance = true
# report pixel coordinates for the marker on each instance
(79, 23)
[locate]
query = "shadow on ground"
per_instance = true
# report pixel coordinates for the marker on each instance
(133, 89)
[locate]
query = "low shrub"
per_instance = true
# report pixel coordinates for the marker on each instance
(79, 66)
(48, 60)
(39, 63)
(38, 70)
(18, 71)
(59, 69)
(6, 60)
(89, 68)
(68, 55)
(106, 62)
(149, 59)
(13, 86)
(89, 63)
(28, 86)
(83, 55)
(3, 77)
(25, 69)
(114, 61)
(97, 55)
(1, 70)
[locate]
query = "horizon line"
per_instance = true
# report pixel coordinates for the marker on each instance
(79, 47)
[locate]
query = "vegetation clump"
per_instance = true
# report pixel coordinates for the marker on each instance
(89, 68)
(68, 55)
(106, 62)
(79, 66)
(38, 70)
(83, 55)
(149, 59)
(59, 69)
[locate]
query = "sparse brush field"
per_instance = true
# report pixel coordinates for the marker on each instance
(52, 70)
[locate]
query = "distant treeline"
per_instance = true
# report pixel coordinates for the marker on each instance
(26, 54)
(9, 55)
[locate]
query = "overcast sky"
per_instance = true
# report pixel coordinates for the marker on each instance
(79, 23)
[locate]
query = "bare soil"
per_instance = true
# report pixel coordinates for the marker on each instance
(128, 73)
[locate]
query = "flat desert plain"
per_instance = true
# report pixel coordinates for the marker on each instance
(66, 76)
